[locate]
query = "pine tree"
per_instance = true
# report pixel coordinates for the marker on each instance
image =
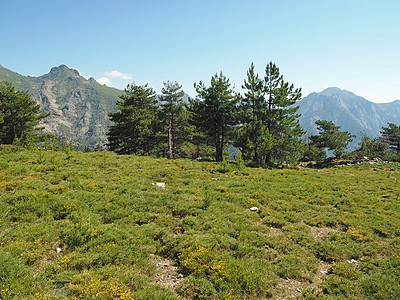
(251, 135)
(213, 112)
(371, 148)
(253, 104)
(391, 135)
(331, 138)
(269, 132)
(19, 114)
(136, 126)
(172, 113)
(282, 118)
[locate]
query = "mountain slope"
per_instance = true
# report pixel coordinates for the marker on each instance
(392, 110)
(347, 110)
(78, 108)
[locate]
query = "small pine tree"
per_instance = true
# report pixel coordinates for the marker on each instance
(391, 135)
(331, 138)
(19, 115)
(371, 148)
(214, 112)
(136, 126)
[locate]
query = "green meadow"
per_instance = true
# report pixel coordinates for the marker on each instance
(95, 225)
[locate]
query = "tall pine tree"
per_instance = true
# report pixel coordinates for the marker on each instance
(136, 126)
(269, 131)
(282, 118)
(252, 137)
(214, 110)
(173, 115)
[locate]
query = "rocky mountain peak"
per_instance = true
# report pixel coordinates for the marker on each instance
(347, 110)
(63, 69)
(331, 91)
(78, 108)
(335, 91)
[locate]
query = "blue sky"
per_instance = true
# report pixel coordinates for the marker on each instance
(351, 44)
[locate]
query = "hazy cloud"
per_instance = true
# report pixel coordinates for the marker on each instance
(118, 74)
(104, 80)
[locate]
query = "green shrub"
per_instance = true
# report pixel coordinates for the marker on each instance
(156, 293)
(196, 288)
(340, 288)
(16, 279)
(296, 266)
(84, 227)
(88, 286)
(224, 166)
(252, 277)
(345, 270)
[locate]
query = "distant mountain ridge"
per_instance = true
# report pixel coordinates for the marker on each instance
(347, 110)
(78, 108)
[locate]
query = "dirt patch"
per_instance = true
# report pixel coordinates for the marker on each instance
(275, 231)
(320, 233)
(289, 289)
(322, 271)
(167, 273)
(293, 289)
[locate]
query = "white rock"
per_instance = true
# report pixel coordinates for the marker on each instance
(59, 250)
(254, 208)
(352, 261)
(159, 184)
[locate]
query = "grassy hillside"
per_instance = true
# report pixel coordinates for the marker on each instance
(93, 226)
(20, 81)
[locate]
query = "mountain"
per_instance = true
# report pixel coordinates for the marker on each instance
(78, 108)
(347, 110)
(392, 109)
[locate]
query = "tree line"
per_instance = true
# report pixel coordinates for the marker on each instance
(263, 123)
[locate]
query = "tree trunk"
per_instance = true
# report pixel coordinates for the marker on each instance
(170, 152)
(268, 161)
(222, 144)
(218, 148)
